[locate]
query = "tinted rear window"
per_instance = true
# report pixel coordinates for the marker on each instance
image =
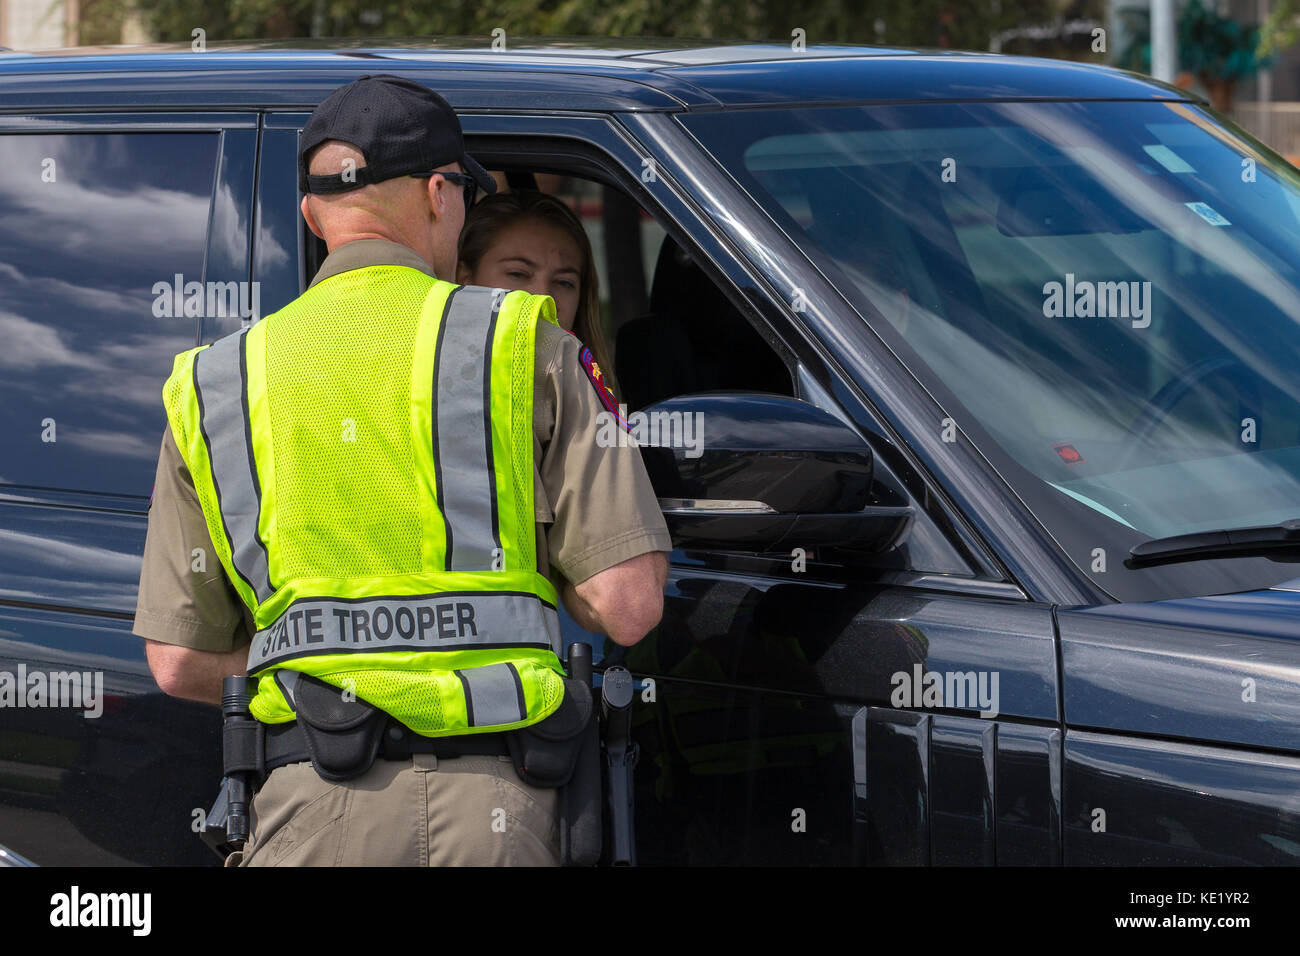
(90, 224)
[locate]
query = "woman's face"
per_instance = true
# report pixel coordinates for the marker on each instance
(535, 256)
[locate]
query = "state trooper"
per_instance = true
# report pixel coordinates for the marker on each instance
(398, 478)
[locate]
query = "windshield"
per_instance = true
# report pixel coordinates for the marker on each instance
(1103, 295)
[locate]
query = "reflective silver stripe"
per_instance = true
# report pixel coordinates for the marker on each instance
(221, 386)
(462, 449)
(493, 695)
(446, 621)
(288, 683)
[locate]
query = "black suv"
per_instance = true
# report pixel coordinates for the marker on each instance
(959, 377)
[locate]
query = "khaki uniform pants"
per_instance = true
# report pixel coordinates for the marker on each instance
(424, 811)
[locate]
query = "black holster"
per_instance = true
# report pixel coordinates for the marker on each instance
(564, 751)
(581, 827)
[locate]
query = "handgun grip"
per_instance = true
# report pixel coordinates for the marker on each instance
(580, 662)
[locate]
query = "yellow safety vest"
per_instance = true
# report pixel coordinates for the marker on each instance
(364, 461)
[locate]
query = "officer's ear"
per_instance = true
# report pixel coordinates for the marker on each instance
(433, 192)
(440, 193)
(312, 224)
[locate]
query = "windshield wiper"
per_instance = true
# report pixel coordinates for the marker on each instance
(1229, 543)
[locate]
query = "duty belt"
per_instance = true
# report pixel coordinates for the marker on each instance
(286, 744)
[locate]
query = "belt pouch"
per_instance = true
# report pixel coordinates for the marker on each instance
(342, 735)
(545, 753)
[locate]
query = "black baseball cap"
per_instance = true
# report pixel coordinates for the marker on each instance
(400, 127)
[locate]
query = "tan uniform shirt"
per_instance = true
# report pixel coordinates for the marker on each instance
(597, 501)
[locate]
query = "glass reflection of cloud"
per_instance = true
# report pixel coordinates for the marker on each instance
(270, 252)
(83, 346)
(100, 189)
(55, 554)
(229, 225)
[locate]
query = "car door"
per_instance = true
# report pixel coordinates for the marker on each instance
(769, 715)
(108, 223)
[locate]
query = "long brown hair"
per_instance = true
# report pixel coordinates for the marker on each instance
(488, 217)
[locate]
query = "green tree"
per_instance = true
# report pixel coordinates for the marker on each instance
(1281, 29)
(1218, 51)
(926, 23)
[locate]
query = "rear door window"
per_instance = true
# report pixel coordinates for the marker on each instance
(102, 243)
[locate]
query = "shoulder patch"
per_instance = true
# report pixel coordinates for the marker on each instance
(597, 378)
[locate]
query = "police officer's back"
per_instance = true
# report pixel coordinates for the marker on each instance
(373, 467)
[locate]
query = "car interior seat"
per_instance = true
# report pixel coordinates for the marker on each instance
(692, 340)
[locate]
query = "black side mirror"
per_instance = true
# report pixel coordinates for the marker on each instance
(756, 472)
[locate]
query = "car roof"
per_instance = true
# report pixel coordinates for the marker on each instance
(554, 73)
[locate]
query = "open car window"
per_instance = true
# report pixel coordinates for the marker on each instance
(668, 329)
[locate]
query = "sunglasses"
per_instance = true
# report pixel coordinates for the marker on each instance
(469, 183)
